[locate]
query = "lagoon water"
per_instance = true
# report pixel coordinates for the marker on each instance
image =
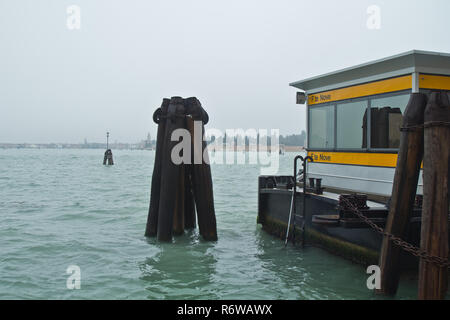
(63, 207)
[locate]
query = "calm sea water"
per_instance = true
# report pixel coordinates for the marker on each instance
(63, 207)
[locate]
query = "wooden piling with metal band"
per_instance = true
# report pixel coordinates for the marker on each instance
(433, 278)
(159, 117)
(170, 172)
(404, 189)
(201, 172)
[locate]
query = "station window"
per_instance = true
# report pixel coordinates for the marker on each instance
(386, 119)
(350, 124)
(321, 127)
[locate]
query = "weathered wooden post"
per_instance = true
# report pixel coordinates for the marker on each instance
(170, 171)
(403, 191)
(159, 117)
(189, 204)
(433, 278)
(201, 171)
(178, 221)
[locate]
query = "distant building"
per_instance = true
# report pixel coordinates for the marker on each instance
(148, 144)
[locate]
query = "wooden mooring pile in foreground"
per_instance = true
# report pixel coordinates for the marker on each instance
(425, 138)
(180, 189)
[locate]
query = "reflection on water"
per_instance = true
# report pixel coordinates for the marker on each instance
(312, 273)
(180, 270)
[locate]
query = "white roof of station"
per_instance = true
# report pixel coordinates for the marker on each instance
(397, 65)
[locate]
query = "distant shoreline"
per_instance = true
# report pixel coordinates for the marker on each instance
(137, 146)
(117, 146)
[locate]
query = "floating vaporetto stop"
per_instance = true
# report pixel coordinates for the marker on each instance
(178, 190)
(378, 137)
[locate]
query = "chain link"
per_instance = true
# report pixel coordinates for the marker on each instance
(440, 262)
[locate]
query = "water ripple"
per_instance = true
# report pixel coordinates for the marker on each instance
(62, 207)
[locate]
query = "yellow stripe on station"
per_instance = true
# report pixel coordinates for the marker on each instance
(427, 81)
(362, 90)
(355, 158)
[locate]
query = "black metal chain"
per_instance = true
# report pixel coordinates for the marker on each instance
(440, 262)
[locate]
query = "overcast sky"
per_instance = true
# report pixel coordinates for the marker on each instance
(236, 56)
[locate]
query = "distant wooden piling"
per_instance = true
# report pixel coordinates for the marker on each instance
(159, 117)
(404, 190)
(433, 279)
(108, 158)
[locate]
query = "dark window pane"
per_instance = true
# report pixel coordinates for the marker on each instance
(321, 127)
(350, 125)
(386, 120)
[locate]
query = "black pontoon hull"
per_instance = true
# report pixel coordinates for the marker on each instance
(359, 242)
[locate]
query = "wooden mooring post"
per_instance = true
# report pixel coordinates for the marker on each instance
(170, 172)
(404, 190)
(178, 188)
(159, 117)
(189, 205)
(201, 171)
(433, 278)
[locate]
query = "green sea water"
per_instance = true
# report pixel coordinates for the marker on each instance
(63, 207)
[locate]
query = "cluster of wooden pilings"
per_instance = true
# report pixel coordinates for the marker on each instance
(108, 158)
(425, 138)
(179, 190)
